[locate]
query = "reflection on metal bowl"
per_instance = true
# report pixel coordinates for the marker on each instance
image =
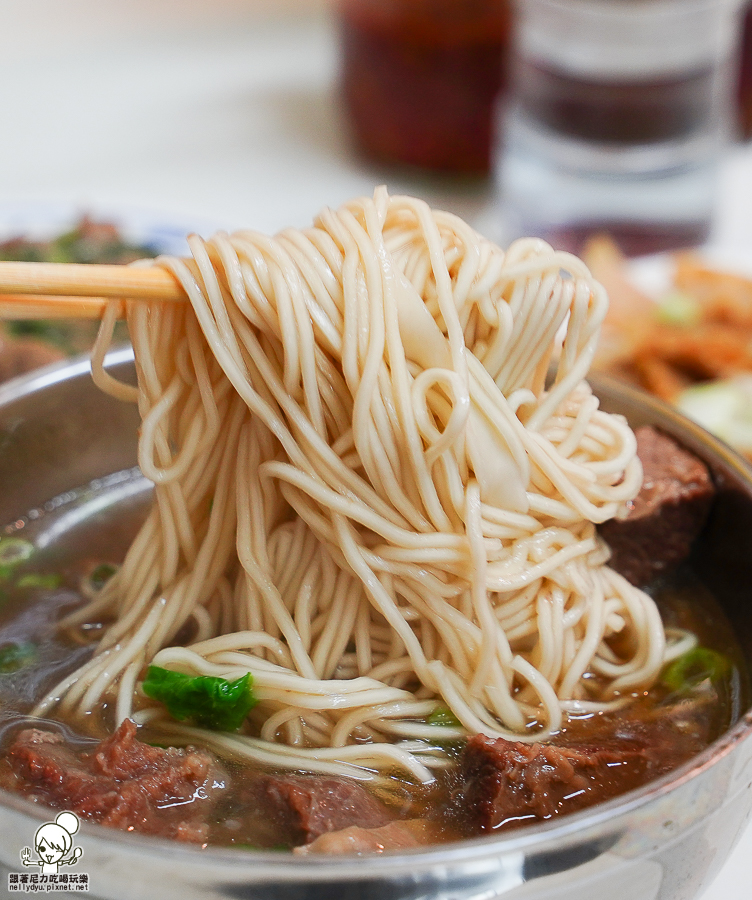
(665, 841)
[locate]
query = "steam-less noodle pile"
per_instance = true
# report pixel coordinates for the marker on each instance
(367, 497)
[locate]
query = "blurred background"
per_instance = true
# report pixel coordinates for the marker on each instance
(615, 128)
(259, 112)
(618, 128)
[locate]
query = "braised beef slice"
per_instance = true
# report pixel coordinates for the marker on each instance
(508, 783)
(123, 783)
(308, 805)
(666, 516)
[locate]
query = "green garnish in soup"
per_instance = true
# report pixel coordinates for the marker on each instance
(443, 716)
(15, 655)
(13, 552)
(209, 701)
(39, 581)
(695, 666)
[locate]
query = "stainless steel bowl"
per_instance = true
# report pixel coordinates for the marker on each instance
(663, 842)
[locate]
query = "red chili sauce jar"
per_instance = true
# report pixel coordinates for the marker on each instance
(421, 79)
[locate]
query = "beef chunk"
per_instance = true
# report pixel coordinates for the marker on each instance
(308, 806)
(666, 516)
(508, 783)
(404, 835)
(122, 783)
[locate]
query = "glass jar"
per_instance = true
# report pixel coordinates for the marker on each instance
(421, 78)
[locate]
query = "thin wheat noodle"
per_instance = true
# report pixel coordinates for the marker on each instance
(367, 497)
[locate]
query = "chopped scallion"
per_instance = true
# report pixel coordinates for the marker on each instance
(692, 668)
(45, 582)
(13, 552)
(100, 575)
(15, 656)
(443, 716)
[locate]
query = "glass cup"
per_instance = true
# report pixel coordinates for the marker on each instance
(618, 113)
(421, 77)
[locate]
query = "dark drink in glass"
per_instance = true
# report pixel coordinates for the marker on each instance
(421, 78)
(619, 112)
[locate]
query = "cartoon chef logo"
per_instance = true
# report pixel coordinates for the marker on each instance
(53, 843)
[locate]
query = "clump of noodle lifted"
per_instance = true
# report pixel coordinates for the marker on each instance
(366, 495)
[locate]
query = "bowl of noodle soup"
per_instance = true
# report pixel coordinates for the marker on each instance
(363, 464)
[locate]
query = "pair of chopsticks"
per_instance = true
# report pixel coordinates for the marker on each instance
(64, 290)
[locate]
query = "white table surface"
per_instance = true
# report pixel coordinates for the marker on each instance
(221, 113)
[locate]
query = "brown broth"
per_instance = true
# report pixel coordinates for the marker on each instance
(97, 524)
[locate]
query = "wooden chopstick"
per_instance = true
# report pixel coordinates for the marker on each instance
(62, 286)
(46, 306)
